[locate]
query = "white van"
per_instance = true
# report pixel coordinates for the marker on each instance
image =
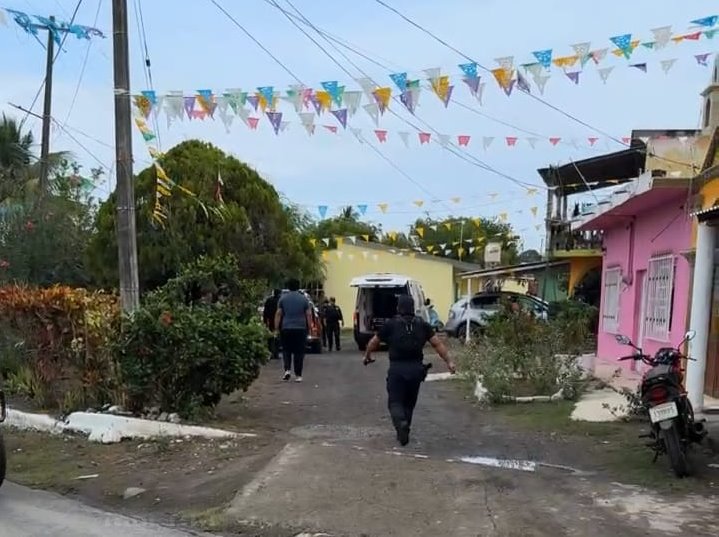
(377, 296)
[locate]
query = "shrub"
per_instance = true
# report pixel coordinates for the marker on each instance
(55, 346)
(194, 339)
(520, 355)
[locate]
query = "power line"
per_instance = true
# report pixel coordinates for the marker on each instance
(147, 64)
(258, 43)
(463, 155)
(531, 95)
(84, 66)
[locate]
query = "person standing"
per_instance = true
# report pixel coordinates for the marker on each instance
(406, 336)
(333, 320)
(268, 317)
(323, 323)
(293, 320)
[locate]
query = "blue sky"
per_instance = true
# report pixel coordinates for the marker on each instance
(197, 47)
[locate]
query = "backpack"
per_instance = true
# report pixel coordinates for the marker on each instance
(409, 338)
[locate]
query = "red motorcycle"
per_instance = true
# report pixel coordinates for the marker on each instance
(673, 427)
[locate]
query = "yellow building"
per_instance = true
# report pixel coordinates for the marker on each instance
(438, 276)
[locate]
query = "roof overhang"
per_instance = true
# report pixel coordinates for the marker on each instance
(597, 172)
(708, 214)
(645, 193)
(512, 269)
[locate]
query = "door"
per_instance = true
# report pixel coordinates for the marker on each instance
(640, 308)
(711, 378)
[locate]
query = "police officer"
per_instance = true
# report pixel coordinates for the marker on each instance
(333, 319)
(406, 336)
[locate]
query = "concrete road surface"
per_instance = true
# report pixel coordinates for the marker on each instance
(30, 513)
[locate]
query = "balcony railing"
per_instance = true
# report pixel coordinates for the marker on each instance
(574, 242)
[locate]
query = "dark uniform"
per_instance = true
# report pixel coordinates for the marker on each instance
(333, 318)
(323, 324)
(268, 316)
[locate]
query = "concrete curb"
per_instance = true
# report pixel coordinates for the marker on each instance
(110, 429)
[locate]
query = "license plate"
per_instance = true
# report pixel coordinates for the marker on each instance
(663, 412)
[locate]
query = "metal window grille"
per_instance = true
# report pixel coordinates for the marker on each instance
(658, 309)
(610, 313)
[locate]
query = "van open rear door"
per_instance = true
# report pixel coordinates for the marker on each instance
(379, 280)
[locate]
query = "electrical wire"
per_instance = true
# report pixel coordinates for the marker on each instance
(258, 43)
(57, 54)
(531, 95)
(147, 63)
(299, 81)
(84, 66)
(466, 156)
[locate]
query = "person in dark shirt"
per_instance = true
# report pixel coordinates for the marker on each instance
(333, 319)
(292, 322)
(268, 317)
(406, 335)
(323, 324)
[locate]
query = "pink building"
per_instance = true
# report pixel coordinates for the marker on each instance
(646, 278)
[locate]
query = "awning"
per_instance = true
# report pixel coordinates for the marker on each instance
(705, 215)
(513, 269)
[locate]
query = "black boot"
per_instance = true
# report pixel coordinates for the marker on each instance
(403, 433)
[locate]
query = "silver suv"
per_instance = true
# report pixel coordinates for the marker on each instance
(482, 306)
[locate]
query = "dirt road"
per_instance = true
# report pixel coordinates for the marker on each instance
(326, 462)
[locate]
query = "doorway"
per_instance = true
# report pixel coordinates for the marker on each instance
(711, 377)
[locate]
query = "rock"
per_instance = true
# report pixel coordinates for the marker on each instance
(174, 418)
(111, 436)
(163, 417)
(132, 492)
(114, 409)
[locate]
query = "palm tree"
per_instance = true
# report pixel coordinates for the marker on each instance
(18, 172)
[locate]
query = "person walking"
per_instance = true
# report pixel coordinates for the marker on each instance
(333, 320)
(268, 317)
(292, 322)
(406, 336)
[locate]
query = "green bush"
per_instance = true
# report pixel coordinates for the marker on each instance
(521, 355)
(194, 339)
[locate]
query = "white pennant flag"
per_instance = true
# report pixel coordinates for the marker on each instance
(443, 245)
(532, 142)
(308, 122)
(174, 106)
(352, 239)
(541, 82)
(668, 64)
(373, 110)
(351, 100)
(662, 36)
(433, 73)
(367, 86)
(506, 62)
(534, 69)
(487, 141)
(581, 49)
(644, 139)
(444, 139)
(326, 241)
(604, 73)
(357, 132)
(404, 136)
(472, 249)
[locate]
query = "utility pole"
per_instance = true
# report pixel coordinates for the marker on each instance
(47, 112)
(126, 232)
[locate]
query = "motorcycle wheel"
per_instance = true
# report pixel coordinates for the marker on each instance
(676, 451)
(3, 461)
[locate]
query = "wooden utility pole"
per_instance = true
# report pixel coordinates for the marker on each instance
(47, 112)
(126, 232)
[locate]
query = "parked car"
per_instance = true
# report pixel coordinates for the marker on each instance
(482, 306)
(377, 296)
(314, 336)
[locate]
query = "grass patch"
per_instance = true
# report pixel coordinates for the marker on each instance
(211, 520)
(613, 449)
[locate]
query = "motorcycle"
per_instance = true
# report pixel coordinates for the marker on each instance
(3, 415)
(673, 427)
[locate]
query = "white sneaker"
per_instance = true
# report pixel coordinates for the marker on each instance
(286, 376)
(298, 379)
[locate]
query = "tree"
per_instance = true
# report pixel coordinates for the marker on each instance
(251, 222)
(530, 256)
(346, 224)
(453, 236)
(44, 243)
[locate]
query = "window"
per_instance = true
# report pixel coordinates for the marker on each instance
(610, 313)
(660, 287)
(490, 302)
